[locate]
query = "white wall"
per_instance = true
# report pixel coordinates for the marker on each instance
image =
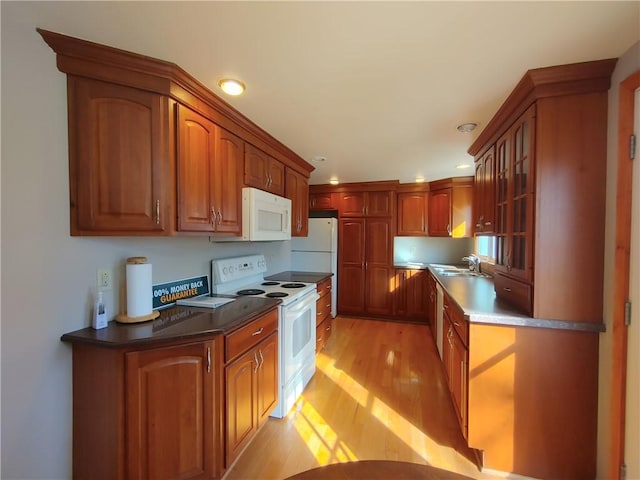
(46, 274)
(628, 63)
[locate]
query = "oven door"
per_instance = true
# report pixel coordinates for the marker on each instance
(298, 337)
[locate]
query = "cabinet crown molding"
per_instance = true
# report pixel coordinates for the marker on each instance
(537, 83)
(92, 60)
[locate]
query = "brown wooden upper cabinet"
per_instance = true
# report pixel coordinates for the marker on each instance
(263, 171)
(154, 152)
(119, 161)
(550, 140)
(297, 190)
(366, 204)
(450, 203)
(209, 176)
(484, 193)
(412, 213)
(322, 201)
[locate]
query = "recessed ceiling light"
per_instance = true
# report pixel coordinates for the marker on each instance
(231, 86)
(334, 181)
(319, 159)
(467, 127)
(462, 166)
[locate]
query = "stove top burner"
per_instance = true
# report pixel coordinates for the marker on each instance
(293, 285)
(276, 294)
(250, 291)
(270, 283)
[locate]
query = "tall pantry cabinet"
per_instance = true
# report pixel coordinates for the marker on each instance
(365, 252)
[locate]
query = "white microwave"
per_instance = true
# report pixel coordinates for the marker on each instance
(265, 216)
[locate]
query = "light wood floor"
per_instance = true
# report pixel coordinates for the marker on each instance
(378, 393)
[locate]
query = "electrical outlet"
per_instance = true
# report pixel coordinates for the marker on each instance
(105, 278)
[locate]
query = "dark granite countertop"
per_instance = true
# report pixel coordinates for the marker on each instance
(176, 323)
(305, 277)
(476, 297)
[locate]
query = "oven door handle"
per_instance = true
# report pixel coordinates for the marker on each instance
(301, 304)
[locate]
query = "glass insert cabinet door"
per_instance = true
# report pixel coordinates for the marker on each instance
(514, 197)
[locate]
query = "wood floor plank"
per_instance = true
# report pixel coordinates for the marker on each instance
(378, 394)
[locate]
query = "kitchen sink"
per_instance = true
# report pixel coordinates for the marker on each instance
(459, 272)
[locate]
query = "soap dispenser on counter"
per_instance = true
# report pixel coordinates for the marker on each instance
(99, 312)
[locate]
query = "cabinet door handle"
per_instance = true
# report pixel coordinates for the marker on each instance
(157, 212)
(487, 224)
(213, 216)
(208, 359)
(257, 332)
(449, 229)
(261, 358)
(219, 217)
(255, 357)
(506, 289)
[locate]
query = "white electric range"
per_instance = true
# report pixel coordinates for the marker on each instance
(296, 319)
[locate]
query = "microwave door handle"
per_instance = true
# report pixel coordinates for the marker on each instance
(287, 221)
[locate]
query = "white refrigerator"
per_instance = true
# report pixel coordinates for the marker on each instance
(318, 252)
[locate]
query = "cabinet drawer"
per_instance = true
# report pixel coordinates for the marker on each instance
(456, 317)
(323, 308)
(323, 332)
(516, 293)
(246, 337)
(324, 287)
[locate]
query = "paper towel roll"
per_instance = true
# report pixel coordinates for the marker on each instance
(139, 289)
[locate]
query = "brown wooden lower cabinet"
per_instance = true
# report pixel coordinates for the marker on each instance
(525, 397)
(170, 413)
(454, 358)
(147, 413)
(251, 390)
(410, 295)
(323, 314)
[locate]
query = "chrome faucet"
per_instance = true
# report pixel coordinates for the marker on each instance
(474, 262)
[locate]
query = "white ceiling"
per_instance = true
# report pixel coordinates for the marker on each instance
(375, 87)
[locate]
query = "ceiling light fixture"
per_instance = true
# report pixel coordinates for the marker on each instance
(419, 179)
(334, 181)
(467, 127)
(462, 166)
(231, 86)
(319, 159)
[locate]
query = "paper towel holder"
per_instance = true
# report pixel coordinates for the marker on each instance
(123, 317)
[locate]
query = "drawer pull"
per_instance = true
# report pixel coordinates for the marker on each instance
(257, 332)
(506, 289)
(456, 324)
